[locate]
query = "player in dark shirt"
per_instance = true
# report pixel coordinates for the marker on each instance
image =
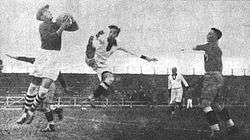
(47, 63)
(211, 94)
(32, 60)
(46, 107)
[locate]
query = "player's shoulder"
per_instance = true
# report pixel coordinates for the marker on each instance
(44, 25)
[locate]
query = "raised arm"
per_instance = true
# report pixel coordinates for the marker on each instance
(73, 27)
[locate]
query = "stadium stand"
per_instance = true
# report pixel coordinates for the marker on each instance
(128, 87)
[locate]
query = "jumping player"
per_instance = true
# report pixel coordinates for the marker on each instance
(212, 85)
(175, 81)
(32, 60)
(45, 106)
(100, 47)
(46, 64)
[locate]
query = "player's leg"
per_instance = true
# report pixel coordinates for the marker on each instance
(59, 111)
(224, 115)
(189, 103)
(50, 119)
(29, 98)
(107, 79)
(179, 93)
(211, 116)
(48, 115)
(173, 101)
(40, 97)
(208, 94)
(50, 97)
(43, 90)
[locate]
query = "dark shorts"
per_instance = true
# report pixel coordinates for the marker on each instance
(212, 87)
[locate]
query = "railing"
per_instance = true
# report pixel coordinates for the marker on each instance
(17, 101)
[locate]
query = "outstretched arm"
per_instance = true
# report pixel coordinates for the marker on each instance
(200, 47)
(23, 58)
(141, 56)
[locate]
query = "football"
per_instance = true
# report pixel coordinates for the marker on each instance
(64, 18)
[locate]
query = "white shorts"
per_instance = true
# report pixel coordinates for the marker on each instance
(47, 64)
(97, 67)
(176, 95)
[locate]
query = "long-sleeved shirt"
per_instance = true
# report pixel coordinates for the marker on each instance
(213, 53)
(174, 81)
(49, 38)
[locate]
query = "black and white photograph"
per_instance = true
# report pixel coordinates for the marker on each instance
(124, 70)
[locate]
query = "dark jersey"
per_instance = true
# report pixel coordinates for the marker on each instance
(212, 59)
(49, 38)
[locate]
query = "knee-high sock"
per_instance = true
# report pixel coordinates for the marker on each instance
(30, 96)
(212, 118)
(224, 115)
(49, 116)
(39, 98)
(179, 105)
(172, 106)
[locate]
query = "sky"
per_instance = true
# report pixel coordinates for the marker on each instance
(156, 28)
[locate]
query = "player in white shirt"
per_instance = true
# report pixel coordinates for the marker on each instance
(175, 81)
(100, 47)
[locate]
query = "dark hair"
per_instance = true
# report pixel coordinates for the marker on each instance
(40, 12)
(103, 74)
(174, 68)
(115, 27)
(218, 33)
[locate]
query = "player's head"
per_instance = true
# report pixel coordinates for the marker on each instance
(114, 31)
(214, 35)
(44, 14)
(107, 77)
(174, 70)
